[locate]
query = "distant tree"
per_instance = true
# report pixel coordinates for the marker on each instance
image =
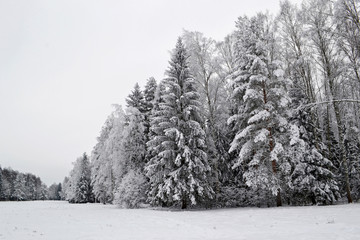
(79, 188)
(43, 192)
(8, 178)
(65, 187)
(19, 185)
(54, 191)
(58, 192)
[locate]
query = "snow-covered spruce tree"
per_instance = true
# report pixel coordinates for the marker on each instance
(83, 192)
(154, 167)
(261, 118)
(136, 99)
(149, 94)
(130, 179)
(181, 157)
(311, 179)
(149, 98)
(79, 185)
(106, 154)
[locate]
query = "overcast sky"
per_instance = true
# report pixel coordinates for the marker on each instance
(63, 63)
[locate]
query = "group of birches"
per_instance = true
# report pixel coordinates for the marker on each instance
(268, 116)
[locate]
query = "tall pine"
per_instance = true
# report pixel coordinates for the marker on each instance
(260, 92)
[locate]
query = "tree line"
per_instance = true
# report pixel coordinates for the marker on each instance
(269, 115)
(17, 186)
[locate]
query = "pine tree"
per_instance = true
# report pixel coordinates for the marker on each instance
(182, 156)
(260, 89)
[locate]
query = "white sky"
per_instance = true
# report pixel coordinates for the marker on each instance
(63, 63)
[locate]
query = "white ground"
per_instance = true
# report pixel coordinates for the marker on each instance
(60, 220)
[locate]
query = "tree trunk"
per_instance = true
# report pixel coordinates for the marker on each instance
(271, 145)
(184, 204)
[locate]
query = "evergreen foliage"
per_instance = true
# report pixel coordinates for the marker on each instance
(105, 156)
(269, 115)
(130, 168)
(136, 99)
(260, 88)
(79, 189)
(181, 149)
(16, 186)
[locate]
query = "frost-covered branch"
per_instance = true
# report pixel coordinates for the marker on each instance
(331, 101)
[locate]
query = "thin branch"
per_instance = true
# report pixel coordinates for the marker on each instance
(331, 101)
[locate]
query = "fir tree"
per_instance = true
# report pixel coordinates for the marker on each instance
(184, 178)
(311, 178)
(149, 98)
(154, 168)
(149, 94)
(136, 99)
(83, 192)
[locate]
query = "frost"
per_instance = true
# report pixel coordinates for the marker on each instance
(282, 121)
(278, 149)
(244, 153)
(262, 135)
(262, 115)
(251, 94)
(279, 73)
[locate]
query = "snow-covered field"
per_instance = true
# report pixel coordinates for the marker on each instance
(60, 220)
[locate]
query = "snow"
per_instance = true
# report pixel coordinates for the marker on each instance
(52, 220)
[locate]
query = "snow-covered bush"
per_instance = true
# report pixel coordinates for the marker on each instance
(131, 191)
